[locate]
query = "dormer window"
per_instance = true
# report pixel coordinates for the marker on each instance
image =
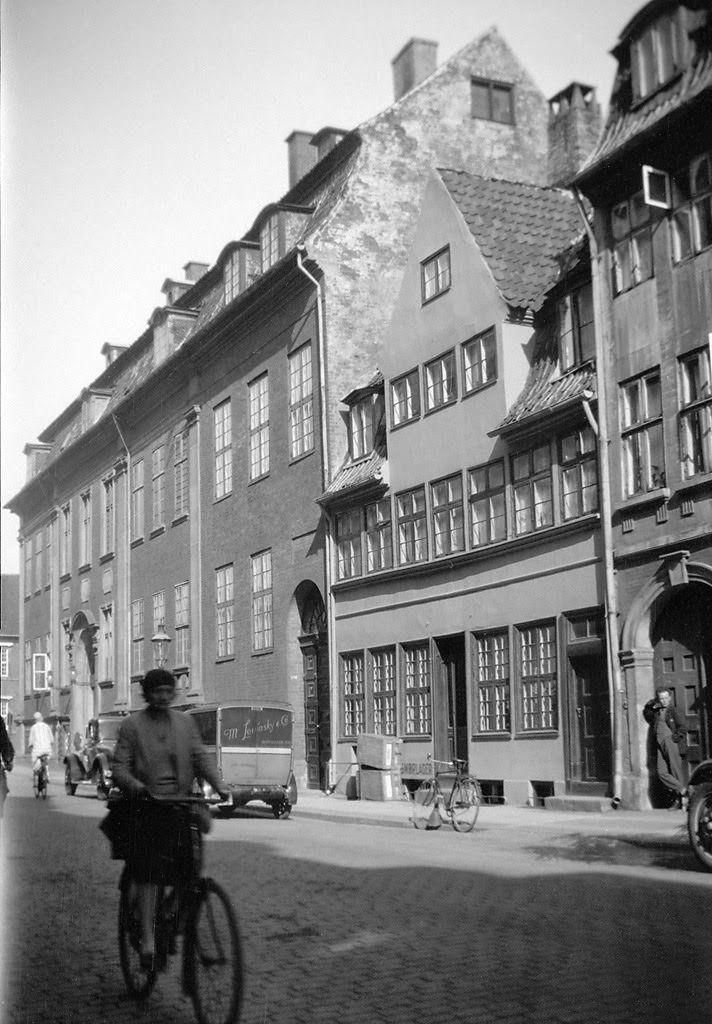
(576, 334)
(269, 241)
(232, 277)
(659, 53)
(364, 418)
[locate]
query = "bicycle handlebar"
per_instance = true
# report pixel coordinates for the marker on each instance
(451, 764)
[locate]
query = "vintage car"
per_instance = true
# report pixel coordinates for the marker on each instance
(252, 745)
(91, 764)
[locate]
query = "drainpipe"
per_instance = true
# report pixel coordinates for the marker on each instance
(127, 566)
(600, 428)
(321, 349)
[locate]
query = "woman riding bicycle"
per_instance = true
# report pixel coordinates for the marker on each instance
(159, 753)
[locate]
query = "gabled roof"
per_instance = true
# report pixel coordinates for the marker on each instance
(520, 229)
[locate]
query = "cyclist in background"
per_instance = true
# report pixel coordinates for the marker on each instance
(40, 742)
(159, 753)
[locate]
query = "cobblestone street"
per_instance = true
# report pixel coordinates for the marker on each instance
(552, 919)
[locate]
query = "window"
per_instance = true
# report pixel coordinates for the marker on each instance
(107, 517)
(448, 517)
(48, 555)
(262, 638)
(65, 554)
(137, 637)
(379, 536)
(158, 488)
(4, 662)
(159, 621)
(348, 545)
(405, 398)
(259, 427)
(642, 435)
(182, 606)
(231, 280)
(479, 361)
(579, 473)
(658, 54)
(487, 506)
(28, 574)
(632, 240)
(352, 689)
(538, 675)
(301, 402)
(531, 490)
(225, 612)
(417, 690)
(435, 275)
(492, 101)
(181, 493)
(40, 668)
(440, 382)
(692, 208)
(85, 529)
(412, 531)
(39, 554)
(492, 667)
(106, 653)
(363, 419)
(28, 660)
(383, 675)
(695, 414)
(577, 343)
(137, 500)
(269, 241)
(223, 449)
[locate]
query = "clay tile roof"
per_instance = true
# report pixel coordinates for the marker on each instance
(354, 475)
(520, 230)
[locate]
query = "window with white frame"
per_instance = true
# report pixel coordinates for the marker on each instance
(659, 53)
(231, 278)
(488, 522)
(479, 361)
(158, 487)
(259, 427)
(107, 516)
(4, 661)
(632, 243)
(537, 653)
(39, 559)
(577, 343)
(181, 596)
(28, 551)
(348, 544)
(405, 398)
(85, 528)
(412, 527)
(492, 101)
(40, 668)
(181, 492)
(137, 637)
(379, 536)
(579, 473)
(301, 402)
(262, 626)
(435, 275)
(440, 382)
(159, 621)
(642, 435)
(65, 561)
(362, 426)
(692, 208)
(225, 612)
(418, 702)
(493, 686)
(448, 516)
(695, 414)
(223, 449)
(137, 500)
(531, 490)
(269, 241)
(383, 681)
(353, 694)
(107, 643)
(48, 555)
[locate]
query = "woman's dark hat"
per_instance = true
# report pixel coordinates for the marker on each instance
(157, 677)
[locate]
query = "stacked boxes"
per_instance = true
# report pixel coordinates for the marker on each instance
(379, 760)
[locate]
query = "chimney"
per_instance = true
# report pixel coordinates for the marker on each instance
(302, 155)
(194, 271)
(111, 352)
(325, 140)
(574, 127)
(412, 65)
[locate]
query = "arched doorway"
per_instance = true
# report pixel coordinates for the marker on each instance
(82, 660)
(314, 649)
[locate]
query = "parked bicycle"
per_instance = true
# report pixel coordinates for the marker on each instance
(451, 794)
(199, 910)
(40, 777)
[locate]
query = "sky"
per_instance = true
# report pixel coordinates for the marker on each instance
(138, 135)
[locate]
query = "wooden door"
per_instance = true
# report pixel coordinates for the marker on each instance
(592, 759)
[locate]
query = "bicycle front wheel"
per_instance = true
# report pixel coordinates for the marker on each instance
(213, 961)
(464, 805)
(139, 982)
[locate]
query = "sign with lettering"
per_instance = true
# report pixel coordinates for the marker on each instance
(255, 727)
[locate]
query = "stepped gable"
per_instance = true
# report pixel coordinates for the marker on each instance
(520, 229)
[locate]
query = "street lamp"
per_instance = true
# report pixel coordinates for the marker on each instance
(161, 640)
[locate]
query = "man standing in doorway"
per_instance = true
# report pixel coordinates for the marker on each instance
(669, 736)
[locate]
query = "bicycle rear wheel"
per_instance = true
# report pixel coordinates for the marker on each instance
(425, 806)
(139, 982)
(464, 805)
(213, 961)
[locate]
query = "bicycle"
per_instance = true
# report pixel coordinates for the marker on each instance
(40, 777)
(198, 909)
(432, 805)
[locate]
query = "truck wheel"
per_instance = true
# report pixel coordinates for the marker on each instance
(281, 809)
(70, 787)
(699, 824)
